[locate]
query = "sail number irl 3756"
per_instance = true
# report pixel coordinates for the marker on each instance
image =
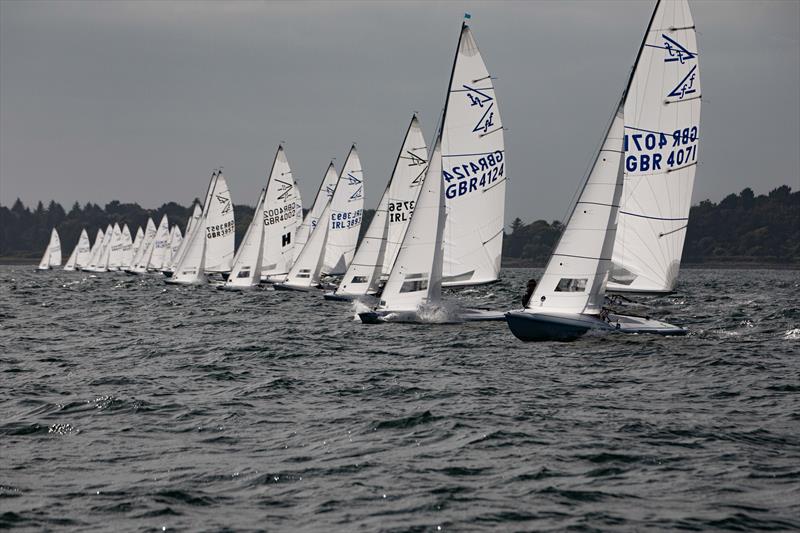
(473, 175)
(653, 152)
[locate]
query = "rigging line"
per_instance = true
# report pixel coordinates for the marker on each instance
(493, 236)
(493, 185)
(584, 257)
(499, 128)
(649, 217)
(667, 102)
(673, 231)
(472, 89)
(598, 203)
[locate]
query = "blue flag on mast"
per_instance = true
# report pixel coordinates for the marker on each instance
(467, 16)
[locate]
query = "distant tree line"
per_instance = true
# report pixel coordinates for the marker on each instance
(741, 228)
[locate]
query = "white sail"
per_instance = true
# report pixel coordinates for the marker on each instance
(220, 228)
(416, 276)
(142, 258)
(161, 250)
(474, 170)
(278, 215)
(115, 255)
(137, 242)
(298, 223)
(246, 268)
(105, 254)
(662, 119)
(191, 267)
(306, 269)
(73, 258)
(344, 222)
(175, 240)
(81, 254)
(52, 254)
(575, 278)
(95, 253)
(324, 195)
(190, 226)
(127, 248)
(404, 187)
(363, 276)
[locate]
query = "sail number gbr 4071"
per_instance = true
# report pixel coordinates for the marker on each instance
(473, 175)
(652, 152)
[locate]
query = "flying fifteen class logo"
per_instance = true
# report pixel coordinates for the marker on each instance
(352, 180)
(480, 99)
(414, 161)
(676, 51)
(686, 85)
(226, 203)
(284, 189)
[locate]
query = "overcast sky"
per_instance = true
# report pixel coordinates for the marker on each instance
(139, 101)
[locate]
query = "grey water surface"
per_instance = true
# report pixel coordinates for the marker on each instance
(129, 405)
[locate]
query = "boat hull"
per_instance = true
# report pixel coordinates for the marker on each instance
(530, 327)
(298, 288)
(413, 317)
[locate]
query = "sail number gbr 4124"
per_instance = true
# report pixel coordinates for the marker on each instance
(475, 174)
(652, 152)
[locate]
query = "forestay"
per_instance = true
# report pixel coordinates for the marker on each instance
(576, 274)
(474, 170)
(324, 195)
(246, 268)
(344, 221)
(416, 276)
(278, 215)
(662, 120)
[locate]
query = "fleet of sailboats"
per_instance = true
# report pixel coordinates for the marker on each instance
(439, 222)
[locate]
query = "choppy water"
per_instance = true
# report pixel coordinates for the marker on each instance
(129, 405)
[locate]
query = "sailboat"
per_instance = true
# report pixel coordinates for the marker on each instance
(52, 254)
(662, 120)
(142, 258)
(216, 222)
(346, 213)
(381, 243)
(568, 301)
(474, 170)
(160, 253)
(81, 254)
(246, 269)
(115, 253)
(196, 214)
(127, 248)
(278, 215)
(98, 242)
(416, 278)
(175, 240)
(100, 260)
(137, 242)
(306, 270)
(324, 195)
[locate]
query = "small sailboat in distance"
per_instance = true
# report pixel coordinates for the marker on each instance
(80, 255)
(98, 242)
(52, 254)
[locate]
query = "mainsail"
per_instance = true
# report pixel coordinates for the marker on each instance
(474, 171)
(344, 222)
(278, 215)
(246, 268)
(52, 254)
(190, 227)
(220, 228)
(81, 254)
(127, 247)
(416, 276)
(95, 253)
(324, 195)
(662, 120)
(175, 240)
(115, 255)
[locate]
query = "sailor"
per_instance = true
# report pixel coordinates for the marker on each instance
(529, 292)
